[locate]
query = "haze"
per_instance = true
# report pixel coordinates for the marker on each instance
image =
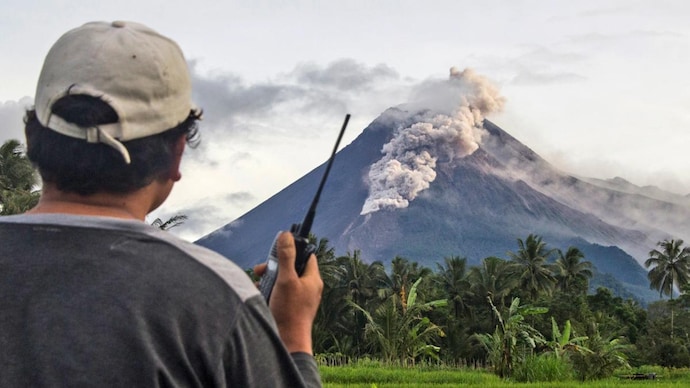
(598, 88)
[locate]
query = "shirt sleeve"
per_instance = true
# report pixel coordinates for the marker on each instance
(256, 357)
(308, 369)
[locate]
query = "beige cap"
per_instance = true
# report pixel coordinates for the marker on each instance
(141, 74)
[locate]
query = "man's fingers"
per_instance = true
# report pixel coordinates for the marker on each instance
(260, 269)
(312, 267)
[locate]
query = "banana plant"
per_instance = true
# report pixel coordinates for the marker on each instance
(401, 331)
(512, 338)
(562, 342)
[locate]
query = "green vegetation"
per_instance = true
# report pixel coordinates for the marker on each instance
(368, 374)
(18, 180)
(529, 318)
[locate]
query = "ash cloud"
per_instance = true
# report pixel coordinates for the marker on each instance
(409, 161)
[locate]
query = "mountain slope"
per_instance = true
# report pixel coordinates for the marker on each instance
(477, 206)
(656, 213)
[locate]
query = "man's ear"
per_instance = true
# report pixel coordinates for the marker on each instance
(178, 150)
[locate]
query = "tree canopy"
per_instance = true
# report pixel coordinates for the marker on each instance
(18, 180)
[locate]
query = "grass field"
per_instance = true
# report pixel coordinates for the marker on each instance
(378, 376)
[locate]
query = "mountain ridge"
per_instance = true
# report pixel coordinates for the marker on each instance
(477, 206)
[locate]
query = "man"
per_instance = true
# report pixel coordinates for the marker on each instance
(90, 295)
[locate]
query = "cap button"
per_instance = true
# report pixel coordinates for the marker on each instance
(118, 24)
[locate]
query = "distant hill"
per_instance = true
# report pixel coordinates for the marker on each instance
(476, 206)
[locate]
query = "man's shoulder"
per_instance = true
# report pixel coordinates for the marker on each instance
(139, 239)
(234, 276)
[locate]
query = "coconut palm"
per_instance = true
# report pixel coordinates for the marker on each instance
(332, 317)
(359, 283)
(170, 223)
(453, 279)
(403, 274)
(530, 264)
(671, 266)
(360, 280)
(493, 278)
(572, 274)
(671, 269)
(330, 271)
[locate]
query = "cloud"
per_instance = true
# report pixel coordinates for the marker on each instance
(226, 99)
(545, 66)
(229, 101)
(12, 119)
(616, 39)
(243, 115)
(343, 75)
(605, 11)
(545, 55)
(206, 214)
(529, 77)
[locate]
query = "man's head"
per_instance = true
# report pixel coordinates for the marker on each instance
(111, 102)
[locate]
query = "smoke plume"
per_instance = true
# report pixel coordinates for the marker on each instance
(408, 165)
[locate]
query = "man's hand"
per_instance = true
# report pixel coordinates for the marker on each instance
(294, 300)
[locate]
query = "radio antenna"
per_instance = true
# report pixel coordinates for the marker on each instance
(305, 227)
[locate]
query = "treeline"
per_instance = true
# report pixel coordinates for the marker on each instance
(534, 306)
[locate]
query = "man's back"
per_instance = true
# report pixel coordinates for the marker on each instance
(92, 296)
(88, 301)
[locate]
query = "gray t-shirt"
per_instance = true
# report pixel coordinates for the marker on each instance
(96, 301)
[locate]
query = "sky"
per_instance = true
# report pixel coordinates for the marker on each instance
(597, 88)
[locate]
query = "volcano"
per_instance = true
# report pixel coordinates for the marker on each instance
(476, 206)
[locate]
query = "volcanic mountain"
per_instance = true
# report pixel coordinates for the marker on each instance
(440, 202)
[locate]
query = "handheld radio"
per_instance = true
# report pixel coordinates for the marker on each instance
(300, 232)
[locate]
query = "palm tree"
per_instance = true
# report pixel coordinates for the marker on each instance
(18, 180)
(403, 274)
(172, 222)
(331, 318)
(493, 278)
(330, 271)
(324, 252)
(671, 267)
(573, 274)
(362, 284)
(453, 278)
(360, 280)
(531, 268)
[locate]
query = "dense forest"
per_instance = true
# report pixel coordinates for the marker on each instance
(534, 306)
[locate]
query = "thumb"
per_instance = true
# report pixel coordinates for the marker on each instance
(286, 254)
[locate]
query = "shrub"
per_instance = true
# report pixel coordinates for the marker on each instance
(545, 367)
(605, 356)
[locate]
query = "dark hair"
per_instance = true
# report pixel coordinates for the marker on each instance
(76, 166)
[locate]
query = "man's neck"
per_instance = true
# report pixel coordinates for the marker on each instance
(135, 205)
